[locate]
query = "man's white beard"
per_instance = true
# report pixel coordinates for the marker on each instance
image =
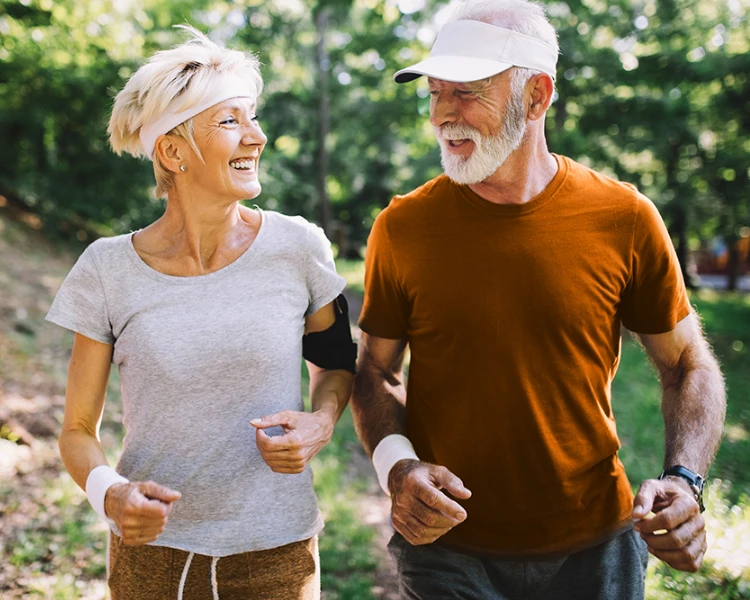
(490, 152)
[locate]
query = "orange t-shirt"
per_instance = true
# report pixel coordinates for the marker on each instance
(513, 314)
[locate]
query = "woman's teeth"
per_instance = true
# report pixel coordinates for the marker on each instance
(242, 165)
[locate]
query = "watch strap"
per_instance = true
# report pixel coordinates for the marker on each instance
(694, 480)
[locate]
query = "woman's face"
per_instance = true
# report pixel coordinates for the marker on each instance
(230, 140)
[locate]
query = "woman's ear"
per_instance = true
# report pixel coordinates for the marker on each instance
(171, 155)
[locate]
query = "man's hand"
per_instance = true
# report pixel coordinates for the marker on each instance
(420, 511)
(140, 509)
(305, 434)
(681, 542)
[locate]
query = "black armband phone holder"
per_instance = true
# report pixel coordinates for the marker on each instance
(333, 348)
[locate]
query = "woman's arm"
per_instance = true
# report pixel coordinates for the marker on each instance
(88, 374)
(329, 388)
(305, 434)
(140, 509)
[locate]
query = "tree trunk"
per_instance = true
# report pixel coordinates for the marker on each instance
(678, 228)
(733, 265)
(679, 210)
(321, 56)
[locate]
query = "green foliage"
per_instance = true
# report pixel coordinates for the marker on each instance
(54, 103)
(368, 162)
(353, 271)
(655, 93)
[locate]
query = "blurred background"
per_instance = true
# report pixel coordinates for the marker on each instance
(653, 93)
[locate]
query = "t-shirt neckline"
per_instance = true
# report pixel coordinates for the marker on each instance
(517, 210)
(240, 261)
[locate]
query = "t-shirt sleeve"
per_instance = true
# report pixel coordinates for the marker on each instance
(81, 305)
(656, 298)
(385, 310)
(323, 283)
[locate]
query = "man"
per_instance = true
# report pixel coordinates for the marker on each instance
(509, 278)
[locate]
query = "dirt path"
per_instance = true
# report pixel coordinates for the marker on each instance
(375, 511)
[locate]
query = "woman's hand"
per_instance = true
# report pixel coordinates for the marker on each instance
(140, 509)
(305, 434)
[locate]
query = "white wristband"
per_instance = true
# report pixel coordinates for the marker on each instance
(391, 449)
(98, 482)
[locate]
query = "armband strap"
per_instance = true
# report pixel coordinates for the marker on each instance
(333, 348)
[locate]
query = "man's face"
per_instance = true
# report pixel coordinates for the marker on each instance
(478, 124)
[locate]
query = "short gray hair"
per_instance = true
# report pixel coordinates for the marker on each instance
(174, 79)
(520, 16)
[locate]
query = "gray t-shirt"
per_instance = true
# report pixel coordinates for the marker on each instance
(199, 357)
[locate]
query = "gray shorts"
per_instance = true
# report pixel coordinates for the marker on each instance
(615, 570)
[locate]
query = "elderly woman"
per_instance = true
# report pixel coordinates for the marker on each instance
(206, 312)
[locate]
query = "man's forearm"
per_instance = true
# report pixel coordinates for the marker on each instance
(378, 404)
(694, 406)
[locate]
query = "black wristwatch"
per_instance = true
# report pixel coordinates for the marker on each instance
(694, 480)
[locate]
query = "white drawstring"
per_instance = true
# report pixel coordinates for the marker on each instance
(184, 575)
(183, 579)
(214, 585)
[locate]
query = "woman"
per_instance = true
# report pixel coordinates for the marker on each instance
(204, 312)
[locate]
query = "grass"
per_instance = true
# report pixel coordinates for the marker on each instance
(63, 548)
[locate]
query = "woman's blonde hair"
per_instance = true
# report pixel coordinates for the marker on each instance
(175, 80)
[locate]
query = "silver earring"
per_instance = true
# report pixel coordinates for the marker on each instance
(183, 168)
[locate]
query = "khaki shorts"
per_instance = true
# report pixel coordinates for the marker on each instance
(290, 572)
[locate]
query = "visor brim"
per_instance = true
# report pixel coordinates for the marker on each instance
(456, 69)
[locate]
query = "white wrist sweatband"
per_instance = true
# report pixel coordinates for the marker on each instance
(391, 449)
(98, 482)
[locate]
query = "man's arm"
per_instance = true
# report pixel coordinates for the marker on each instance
(379, 399)
(421, 512)
(693, 405)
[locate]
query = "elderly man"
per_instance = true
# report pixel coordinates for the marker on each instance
(509, 278)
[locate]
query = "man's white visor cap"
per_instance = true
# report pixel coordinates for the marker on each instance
(471, 50)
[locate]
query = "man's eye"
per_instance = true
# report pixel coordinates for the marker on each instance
(228, 121)
(465, 93)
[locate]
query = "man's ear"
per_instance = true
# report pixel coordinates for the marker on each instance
(542, 89)
(170, 153)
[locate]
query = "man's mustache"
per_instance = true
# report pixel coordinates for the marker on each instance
(457, 132)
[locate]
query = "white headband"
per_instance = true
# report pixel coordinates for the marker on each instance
(228, 86)
(472, 50)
